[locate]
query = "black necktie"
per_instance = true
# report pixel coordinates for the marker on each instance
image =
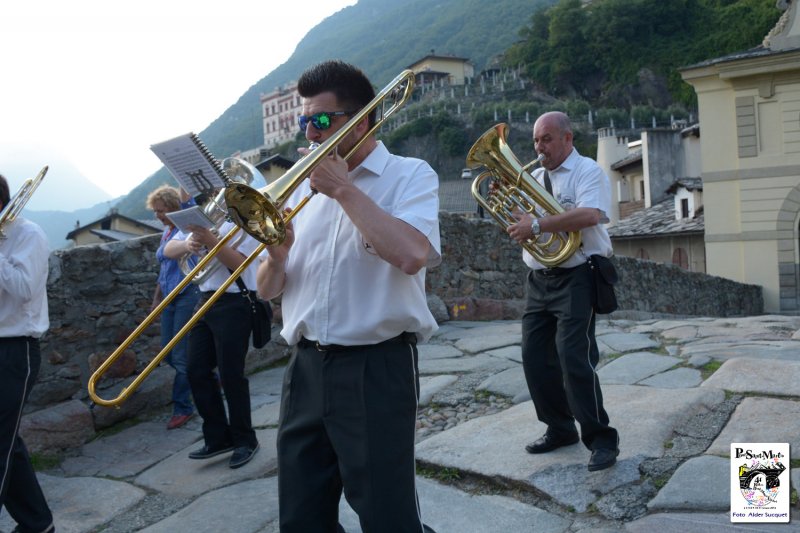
(547, 184)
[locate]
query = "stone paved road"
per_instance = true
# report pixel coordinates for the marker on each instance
(679, 391)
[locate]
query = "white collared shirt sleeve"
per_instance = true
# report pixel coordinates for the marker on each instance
(24, 256)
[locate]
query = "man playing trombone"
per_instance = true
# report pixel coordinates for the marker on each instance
(351, 273)
(23, 320)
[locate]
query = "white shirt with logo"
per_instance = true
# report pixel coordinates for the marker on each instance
(580, 182)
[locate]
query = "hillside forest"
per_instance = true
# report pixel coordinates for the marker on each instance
(616, 61)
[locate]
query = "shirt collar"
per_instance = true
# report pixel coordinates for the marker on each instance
(569, 163)
(375, 162)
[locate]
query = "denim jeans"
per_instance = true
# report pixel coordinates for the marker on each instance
(175, 315)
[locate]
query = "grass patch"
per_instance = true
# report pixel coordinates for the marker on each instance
(794, 463)
(660, 481)
(440, 474)
(709, 368)
(43, 462)
(669, 445)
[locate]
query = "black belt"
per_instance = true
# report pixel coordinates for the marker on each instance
(207, 294)
(405, 337)
(555, 271)
(17, 339)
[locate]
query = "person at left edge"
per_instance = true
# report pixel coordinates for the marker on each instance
(163, 200)
(23, 320)
(220, 340)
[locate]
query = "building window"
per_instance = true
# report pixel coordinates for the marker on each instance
(641, 190)
(642, 254)
(684, 208)
(680, 258)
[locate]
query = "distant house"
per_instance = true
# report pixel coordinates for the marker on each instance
(438, 70)
(273, 167)
(280, 110)
(671, 231)
(112, 228)
(657, 195)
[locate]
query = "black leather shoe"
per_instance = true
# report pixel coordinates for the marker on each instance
(242, 455)
(207, 452)
(549, 442)
(603, 458)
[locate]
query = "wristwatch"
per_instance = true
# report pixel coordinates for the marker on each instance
(535, 227)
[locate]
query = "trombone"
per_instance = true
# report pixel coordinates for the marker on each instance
(17, 203)
(259, 213)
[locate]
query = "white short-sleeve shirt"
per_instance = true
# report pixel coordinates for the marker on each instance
(23, 280)
(580, 182)
(338, 291)
(242, 243)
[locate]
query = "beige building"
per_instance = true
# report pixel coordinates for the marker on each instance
(112, 228)
(749, 105)
(442, 70)
(279, 111)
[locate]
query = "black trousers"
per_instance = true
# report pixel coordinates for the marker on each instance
(20, 492)
(559, 355)
(220, 341)
(348, 423)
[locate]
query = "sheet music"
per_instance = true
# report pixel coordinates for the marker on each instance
(191, 216)
(191, 164)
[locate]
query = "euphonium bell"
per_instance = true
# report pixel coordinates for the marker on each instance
(238, 171)
(514, 190)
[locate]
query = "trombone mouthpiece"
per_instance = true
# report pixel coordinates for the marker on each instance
(539, 158)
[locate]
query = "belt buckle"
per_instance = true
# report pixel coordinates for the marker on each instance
(319, 347)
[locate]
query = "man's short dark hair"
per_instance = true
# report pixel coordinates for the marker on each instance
(349, 84)
(5, 196)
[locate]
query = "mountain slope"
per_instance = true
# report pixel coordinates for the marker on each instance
(380, 36)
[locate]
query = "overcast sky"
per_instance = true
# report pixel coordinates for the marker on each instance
(99, 81)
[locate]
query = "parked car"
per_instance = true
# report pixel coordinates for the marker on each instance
(466, 174)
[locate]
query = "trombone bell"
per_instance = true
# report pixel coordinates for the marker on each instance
(259, 211)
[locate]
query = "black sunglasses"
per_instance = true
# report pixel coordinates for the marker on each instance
(321, 120)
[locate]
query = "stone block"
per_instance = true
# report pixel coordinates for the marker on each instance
(60, 427)
(123, 366)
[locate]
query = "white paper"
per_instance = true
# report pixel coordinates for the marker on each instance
(191, 216)
(189, 164)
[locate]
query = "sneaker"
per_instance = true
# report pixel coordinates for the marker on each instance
(207, 452)
(178, 420)
(242, 455)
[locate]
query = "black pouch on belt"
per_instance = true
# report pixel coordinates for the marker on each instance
(604, 299)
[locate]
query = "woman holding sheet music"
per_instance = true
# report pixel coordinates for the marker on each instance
(161, 201)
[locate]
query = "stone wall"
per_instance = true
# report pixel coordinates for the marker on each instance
(99, 293)
(482, 277)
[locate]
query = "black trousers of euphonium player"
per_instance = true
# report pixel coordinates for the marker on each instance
(560, 355)
(20, 492)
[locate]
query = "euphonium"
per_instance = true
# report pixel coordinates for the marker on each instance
(259, 213)
(515, 190)
(17, 203)
(237, 170)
